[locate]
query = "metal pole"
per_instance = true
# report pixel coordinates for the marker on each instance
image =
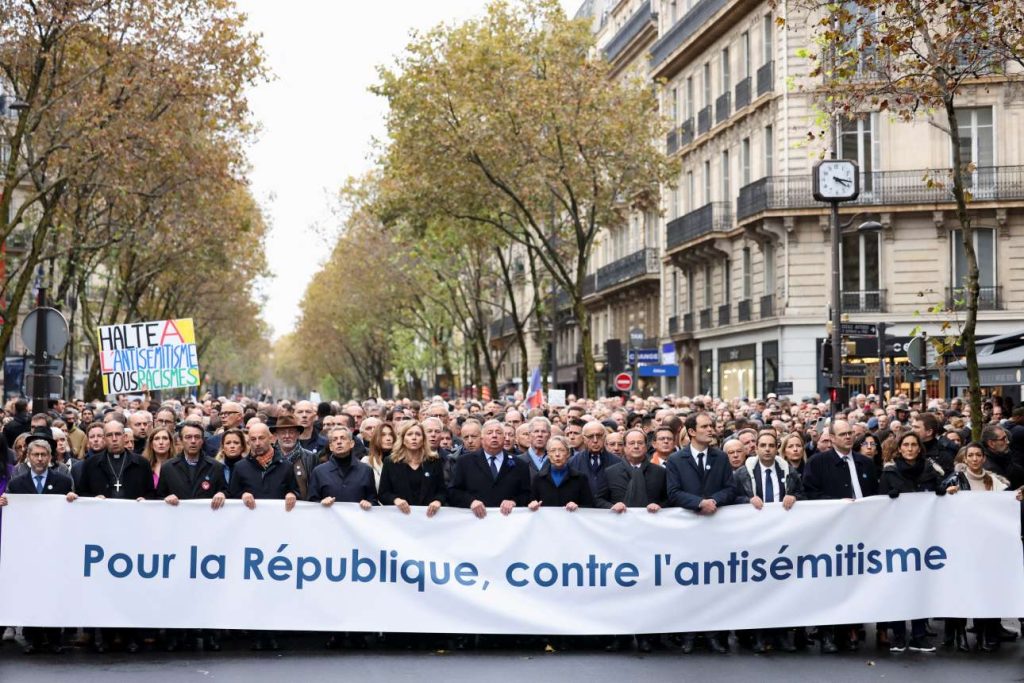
(924, 374)
(837, 307)
(881, 359)
(41, 370)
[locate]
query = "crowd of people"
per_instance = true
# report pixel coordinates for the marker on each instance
(697, 454)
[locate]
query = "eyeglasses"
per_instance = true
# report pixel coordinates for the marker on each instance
(592, 436)
(231, 412)
(842, 435)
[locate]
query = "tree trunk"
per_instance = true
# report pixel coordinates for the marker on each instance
(967, 336)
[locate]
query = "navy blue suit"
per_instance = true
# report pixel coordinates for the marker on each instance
(473, 480)
(686, 487)
(827, 477)
(57, 483)
(598, 478)
(345, 479)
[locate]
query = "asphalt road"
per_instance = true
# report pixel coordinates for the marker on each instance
(235, 664)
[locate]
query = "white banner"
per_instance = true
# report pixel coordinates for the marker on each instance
(122, 563)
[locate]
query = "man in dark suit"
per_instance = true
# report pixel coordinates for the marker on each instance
(593, 460)
(192, 476)
(700, 479)
(839, 474)
(490, 477)
(40, 479)
(634, 482)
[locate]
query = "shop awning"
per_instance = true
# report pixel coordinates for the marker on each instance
(1000, 363)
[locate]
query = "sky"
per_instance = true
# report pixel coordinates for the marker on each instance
(318, 119)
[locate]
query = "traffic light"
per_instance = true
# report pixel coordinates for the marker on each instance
(826, 357)
(838, 397)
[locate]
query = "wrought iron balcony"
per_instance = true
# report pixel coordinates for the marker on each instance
(704, 120)
(713, 217)
(767, 306)
(743, 93)
(864, 301)
(688, 322)
(766, 78)
(883, 188)
(989, 298)
(633, 27)
(692, 22)
(705, 318)
(686, 132)
(673, 325)
(723, 107)
(743, 311)
(723, 314)
(639, 263)
(502, 327)
(672, 141)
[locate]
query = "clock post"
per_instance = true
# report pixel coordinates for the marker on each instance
(835, 181)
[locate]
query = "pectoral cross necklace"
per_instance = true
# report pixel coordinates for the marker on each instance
(117, 475)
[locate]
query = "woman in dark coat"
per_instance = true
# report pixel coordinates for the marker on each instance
(413, 474)
(910, 472)
(559, 485)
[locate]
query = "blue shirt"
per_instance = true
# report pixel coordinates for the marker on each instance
(559, 475)
(538, 460)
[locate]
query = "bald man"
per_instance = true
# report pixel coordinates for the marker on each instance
(594, 459)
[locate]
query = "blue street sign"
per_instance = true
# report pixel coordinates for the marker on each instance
(643, 356)
(658, 370)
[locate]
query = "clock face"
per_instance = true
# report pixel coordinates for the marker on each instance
(836, 180)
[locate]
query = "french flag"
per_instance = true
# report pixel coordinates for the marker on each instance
(534, 397)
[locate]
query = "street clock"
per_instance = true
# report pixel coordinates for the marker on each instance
(836, 180)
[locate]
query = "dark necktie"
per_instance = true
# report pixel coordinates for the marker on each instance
(636, 489)
(700, 464)
(595, 462)
(769, 487)
(39, 483)
(494, 466)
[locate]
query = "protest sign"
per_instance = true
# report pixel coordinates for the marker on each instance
(148, 356)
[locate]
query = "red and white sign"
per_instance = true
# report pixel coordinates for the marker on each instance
(623, 381)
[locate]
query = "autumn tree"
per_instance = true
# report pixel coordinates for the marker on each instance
(511, 121)
(125, 159)
(918, 60)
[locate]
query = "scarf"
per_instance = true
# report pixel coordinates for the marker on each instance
(636, 490)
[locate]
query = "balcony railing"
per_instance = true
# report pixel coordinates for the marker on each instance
(686, 132)
(885, 188)
(713, 217)
(989, 298)
(864, 301)
(633, 27)
(672, 141)
(673, 325)
(724, 314)
(693, 21)
(723, 107)
(743, 93)
(767, 306)
(502, 327)
(765, 78)
(743, 311)
(639, 263)
(704, 120)
(688, 322)
(705, 318)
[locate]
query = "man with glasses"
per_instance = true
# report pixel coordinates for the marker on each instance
(996, 443)
(839, 474)
(165, 419)
(593, 459)
(231, 417)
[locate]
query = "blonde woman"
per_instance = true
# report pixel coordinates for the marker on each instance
(413, 474)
